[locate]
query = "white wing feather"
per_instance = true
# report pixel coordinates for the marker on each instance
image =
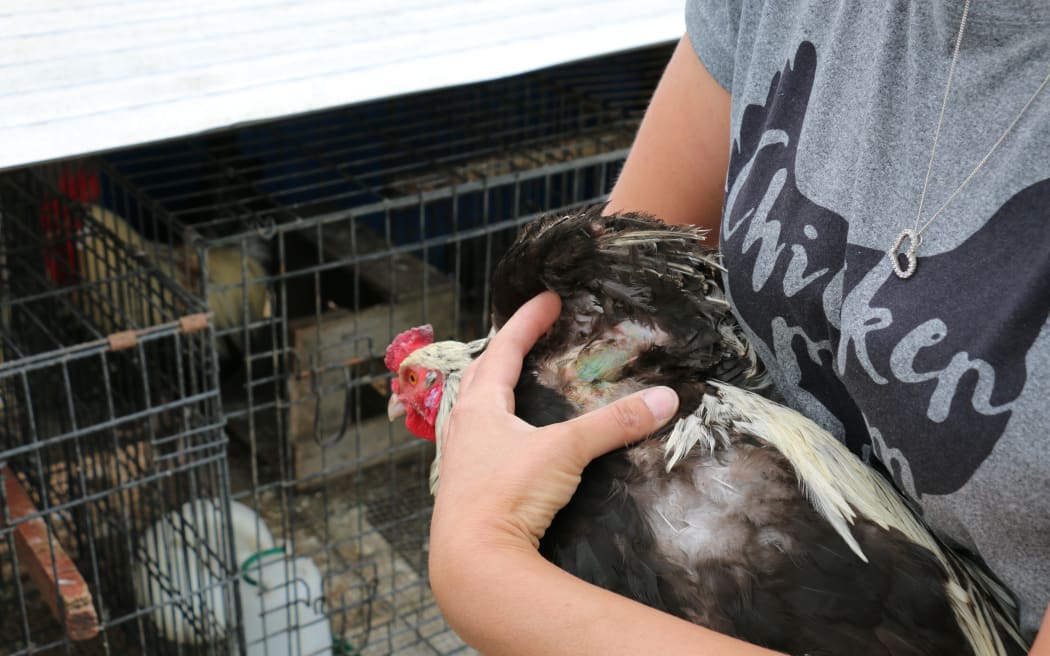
(834, 480)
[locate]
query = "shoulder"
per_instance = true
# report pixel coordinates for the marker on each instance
(730, 36)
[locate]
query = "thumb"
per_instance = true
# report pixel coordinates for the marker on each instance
(627, 420)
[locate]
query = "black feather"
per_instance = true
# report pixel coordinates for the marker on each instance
(601, 538)
(538, 405)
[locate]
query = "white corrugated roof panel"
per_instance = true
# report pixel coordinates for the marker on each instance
(80, 77)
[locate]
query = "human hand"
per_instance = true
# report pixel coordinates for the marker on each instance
(502, 480)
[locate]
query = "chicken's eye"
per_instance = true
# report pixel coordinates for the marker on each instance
(412, 378)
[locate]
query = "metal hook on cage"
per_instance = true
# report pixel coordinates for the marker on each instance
(296, 371)
(341, 645)
(348, 396)
(308, 600)
(343, 426)
(318, 605)
(373, 592)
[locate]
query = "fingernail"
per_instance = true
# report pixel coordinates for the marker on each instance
(661, 401)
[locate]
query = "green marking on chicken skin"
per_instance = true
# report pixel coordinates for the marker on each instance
(601, 364)
(591, 375)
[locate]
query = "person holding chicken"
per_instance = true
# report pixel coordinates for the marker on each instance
(877, 178)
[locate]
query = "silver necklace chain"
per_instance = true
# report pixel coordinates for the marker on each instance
(913, 236)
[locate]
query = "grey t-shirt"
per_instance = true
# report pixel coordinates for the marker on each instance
(945, 377)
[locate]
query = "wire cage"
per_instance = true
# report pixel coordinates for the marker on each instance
(110, 418)
(313, 240)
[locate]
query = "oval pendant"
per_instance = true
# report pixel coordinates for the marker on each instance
(914, 239)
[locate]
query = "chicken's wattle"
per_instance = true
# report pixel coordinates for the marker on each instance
(420, 421)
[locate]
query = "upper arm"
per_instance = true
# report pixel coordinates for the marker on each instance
(677, 166)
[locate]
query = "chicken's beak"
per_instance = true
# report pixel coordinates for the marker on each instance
(395, 408)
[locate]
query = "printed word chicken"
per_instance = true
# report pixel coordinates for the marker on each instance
(741, 515)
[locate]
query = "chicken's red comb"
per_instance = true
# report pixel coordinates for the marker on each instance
(405, 343)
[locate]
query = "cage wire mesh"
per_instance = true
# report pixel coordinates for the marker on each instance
(110, 419)
(314, 240)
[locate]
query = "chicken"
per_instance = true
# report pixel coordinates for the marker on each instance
(181, 566)
(232, 291)
(741, 515)
(116, 296)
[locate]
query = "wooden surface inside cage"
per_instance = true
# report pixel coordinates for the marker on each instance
(41, 555)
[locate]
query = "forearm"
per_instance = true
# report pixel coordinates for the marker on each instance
(511, 601)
